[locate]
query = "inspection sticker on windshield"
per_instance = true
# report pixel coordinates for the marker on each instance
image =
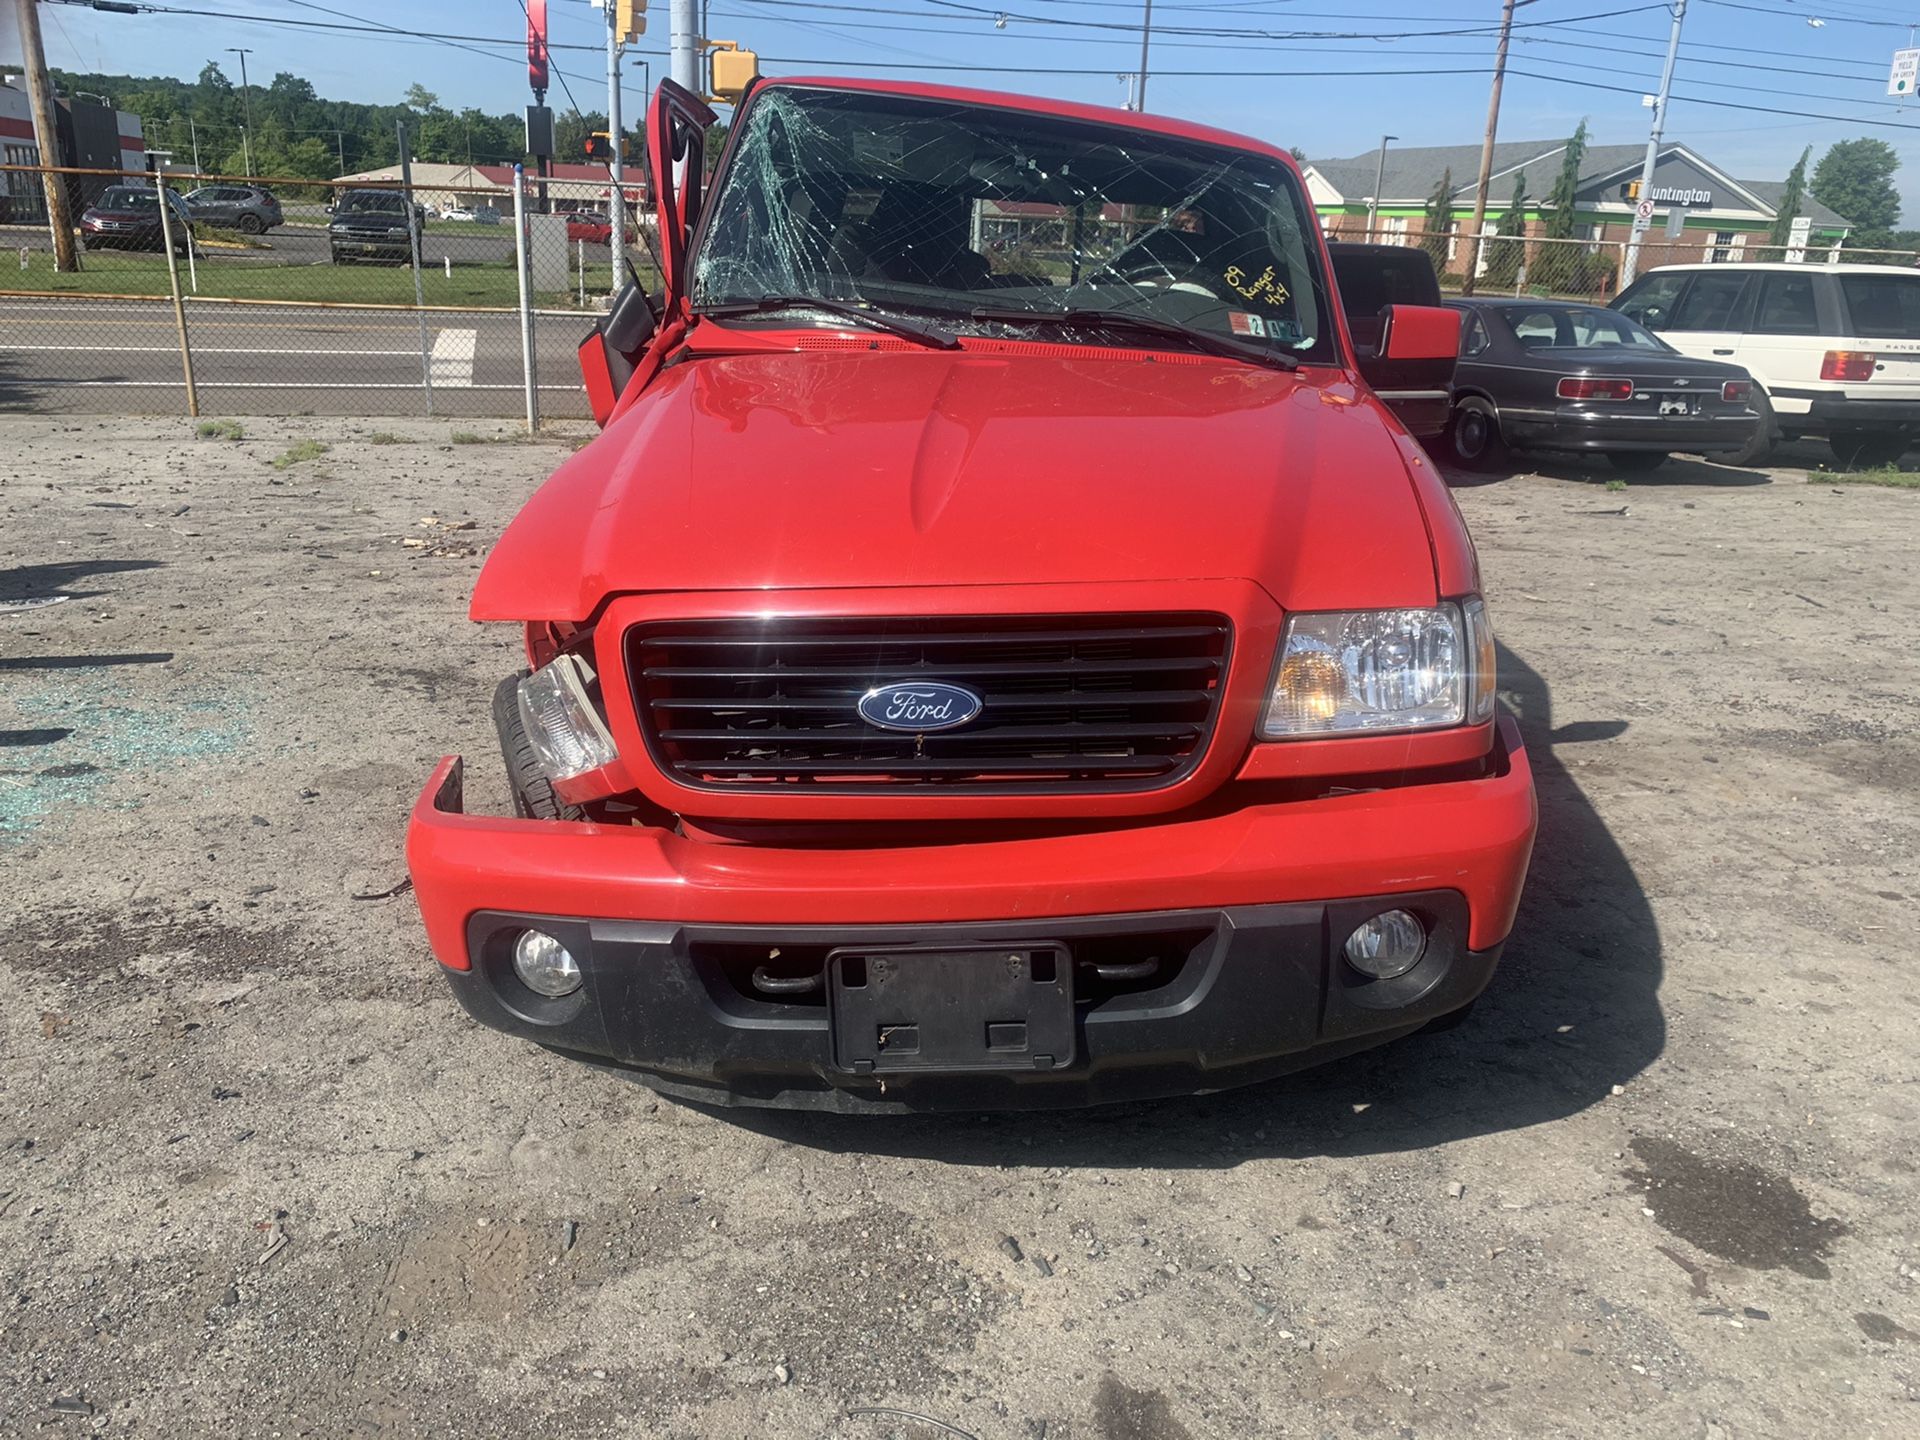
(1245, 323)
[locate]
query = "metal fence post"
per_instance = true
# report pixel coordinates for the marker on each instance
(523, 262)
(413, 246)
(163, 195)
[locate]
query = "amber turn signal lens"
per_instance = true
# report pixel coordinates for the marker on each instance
(1309, 689)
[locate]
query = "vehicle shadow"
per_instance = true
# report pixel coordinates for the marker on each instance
(1680, 472)
(1573, 1011)
(29, 582)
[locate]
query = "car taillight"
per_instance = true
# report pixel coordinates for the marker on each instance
(1736, 392)
(1847, 365)
(1584, 387)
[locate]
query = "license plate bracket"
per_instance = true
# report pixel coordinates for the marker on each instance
(1680, 405)
(999, 1007)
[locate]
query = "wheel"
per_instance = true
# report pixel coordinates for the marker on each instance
(1867, 449)
(251, 225)
(533, 797)
(1636, 462)
(1473, 434)
(1766, 435)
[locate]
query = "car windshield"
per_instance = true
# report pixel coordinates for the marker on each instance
(1577, 327)
(363, 203)
(126, 197)
(991, 219)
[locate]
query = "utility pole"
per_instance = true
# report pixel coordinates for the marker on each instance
(193, 133)
(340, 149)
(683, 44)
(1632, 261)
(1486, 148)
(617, 209)
(246, 102)
(1379, 178)
(46, 135)
(1146, 38)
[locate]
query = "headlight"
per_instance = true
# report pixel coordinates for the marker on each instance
(1343, 672)
(396, 234)
(562, 725)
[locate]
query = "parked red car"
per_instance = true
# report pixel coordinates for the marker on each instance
(594, 229)
(999, 652)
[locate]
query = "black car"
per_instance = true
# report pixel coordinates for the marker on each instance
(127, 217)
(373, 225)
(1372, 279)
(1550, 375)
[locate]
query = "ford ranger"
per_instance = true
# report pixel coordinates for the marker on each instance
(999, 651)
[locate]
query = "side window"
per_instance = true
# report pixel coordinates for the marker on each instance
(1473, 339)
(1652, 303)
(1786, 306)
(1712, 302)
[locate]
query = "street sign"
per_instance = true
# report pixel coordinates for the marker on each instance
(1797, 236)
(1906, 70)
(1643, 212)
(1676, 223)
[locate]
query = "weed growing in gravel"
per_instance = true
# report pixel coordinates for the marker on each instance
(467, 437)
(220, 430)
(1616, 484)
(387, 437)
(1889, 475)
(298, 451)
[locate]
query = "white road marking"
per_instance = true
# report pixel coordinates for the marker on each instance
(453, 358)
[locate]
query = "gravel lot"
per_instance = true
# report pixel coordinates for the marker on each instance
(259, 1176)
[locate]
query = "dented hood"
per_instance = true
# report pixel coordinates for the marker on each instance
(809, 469)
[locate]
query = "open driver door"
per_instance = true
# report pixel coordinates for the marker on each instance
(624, 347)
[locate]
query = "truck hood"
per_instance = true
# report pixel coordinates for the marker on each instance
(812, 469)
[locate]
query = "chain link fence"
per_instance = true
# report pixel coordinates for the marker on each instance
(305, 297)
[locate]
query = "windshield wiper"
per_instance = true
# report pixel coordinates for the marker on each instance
(1091, 318)
(932, 338)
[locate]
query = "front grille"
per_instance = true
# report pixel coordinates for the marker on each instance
(1098, 702)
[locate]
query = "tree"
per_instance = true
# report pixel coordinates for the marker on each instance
(1439, 220)
(1557, 265)
(1299, 155)
(1855, 179)
(1792, 200)
(1508, 248)
(418, 97)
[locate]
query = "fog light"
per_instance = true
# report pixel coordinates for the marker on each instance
(1389, 944)
(545, 966)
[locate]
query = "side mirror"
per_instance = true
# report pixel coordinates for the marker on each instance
(1420, 332)
(609, 353)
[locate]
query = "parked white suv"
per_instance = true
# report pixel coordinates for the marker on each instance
(1834, 350)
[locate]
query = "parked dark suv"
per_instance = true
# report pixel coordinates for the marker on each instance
(250, 209)
(372, 225)
(127, 217)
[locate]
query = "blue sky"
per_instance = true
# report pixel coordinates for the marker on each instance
(1754, 52)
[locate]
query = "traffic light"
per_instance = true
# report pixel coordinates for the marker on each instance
(630, 20)
(734, 70)
(1633, 190)
(599, 146)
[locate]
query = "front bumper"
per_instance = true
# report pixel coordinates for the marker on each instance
(1256, 893)
(1603, 431)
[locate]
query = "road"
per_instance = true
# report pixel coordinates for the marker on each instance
(119, 355)
(297, 244)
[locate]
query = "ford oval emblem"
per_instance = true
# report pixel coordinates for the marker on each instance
(919, 706)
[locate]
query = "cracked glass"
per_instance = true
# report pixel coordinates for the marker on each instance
(979, 220)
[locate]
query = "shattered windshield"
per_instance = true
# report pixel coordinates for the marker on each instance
(1004, 222)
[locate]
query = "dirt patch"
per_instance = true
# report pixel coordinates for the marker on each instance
(1734, 1210)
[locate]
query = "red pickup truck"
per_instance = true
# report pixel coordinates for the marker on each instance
(999, 652)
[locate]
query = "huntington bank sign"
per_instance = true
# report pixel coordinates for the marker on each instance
(1679, 195)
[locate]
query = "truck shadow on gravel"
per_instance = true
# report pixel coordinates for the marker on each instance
(1573, 1011)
